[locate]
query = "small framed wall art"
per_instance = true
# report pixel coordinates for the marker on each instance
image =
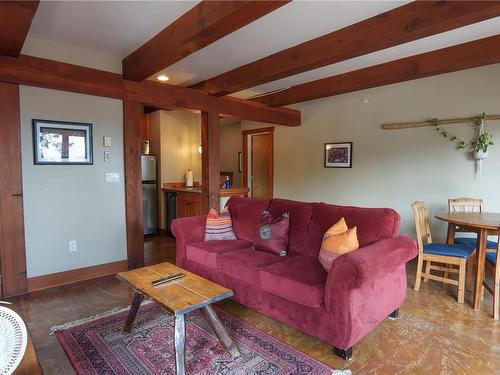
(60, 143)
(338, 155)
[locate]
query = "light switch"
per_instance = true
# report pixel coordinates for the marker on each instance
(107, 156)
(107, 141)
(112, 177)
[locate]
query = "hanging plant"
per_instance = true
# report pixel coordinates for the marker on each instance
(446, 134)
(483, 140)
(479, 146)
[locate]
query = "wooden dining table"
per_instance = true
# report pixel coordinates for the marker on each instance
(484, 224)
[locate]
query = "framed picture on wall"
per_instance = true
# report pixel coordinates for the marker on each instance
(59, 143)
(338, 155)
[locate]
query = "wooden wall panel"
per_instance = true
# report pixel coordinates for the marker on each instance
(12, 247)
(144, 127)
(210, 160)
(133, 187)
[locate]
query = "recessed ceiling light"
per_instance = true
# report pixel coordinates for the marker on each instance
(162, 78)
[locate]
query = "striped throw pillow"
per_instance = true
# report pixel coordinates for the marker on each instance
(219, 226)
(338, 240)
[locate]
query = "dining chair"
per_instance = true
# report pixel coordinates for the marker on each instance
(492, 263)
(468, 205)
(445, 254)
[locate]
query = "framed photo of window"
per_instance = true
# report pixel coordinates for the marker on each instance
(62, 143)
(338, 155)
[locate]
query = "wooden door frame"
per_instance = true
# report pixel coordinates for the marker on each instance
(132, 111)
(246, 133)
(13, 262)
(12, 240)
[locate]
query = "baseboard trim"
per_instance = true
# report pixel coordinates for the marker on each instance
(73, 276)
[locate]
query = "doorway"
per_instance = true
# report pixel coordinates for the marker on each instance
(258, 162)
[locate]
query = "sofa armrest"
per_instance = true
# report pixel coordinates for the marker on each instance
(187, 230)
(366, 285)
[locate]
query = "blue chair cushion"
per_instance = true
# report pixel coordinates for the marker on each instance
(459, 251)
(492, 258)
(473, 242)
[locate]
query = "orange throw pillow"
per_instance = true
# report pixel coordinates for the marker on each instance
(337, 240)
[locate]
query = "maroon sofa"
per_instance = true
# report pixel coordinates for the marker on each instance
(341, 307)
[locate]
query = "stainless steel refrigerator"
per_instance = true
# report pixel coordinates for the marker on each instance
(149, 194)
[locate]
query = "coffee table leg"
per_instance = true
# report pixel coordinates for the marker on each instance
(220, 331)
(179, 338)
(136, 302)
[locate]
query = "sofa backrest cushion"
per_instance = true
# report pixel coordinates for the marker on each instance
(372, 224)
(300, 216)
(246, 214)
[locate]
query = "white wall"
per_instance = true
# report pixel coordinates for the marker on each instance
(64, 202)
(180, 141)
(175, 137)
(393, 168)
(230, 145)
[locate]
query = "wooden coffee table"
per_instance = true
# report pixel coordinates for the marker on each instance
(179, 297)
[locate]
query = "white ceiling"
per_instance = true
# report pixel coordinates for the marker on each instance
(116, 28)
(292, 24)
(113, 27)
(462, 35)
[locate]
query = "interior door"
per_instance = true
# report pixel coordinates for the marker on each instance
(261, 165)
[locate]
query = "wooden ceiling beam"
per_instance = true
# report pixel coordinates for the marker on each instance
(204, 24)
(34, 71)
(451, 59)
(409, 22)
(15, 22)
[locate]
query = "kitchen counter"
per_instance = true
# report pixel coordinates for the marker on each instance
(188, 201)
(198, 190)
(194, 190)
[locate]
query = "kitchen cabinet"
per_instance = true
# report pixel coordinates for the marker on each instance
(189, 204)
(185, 202)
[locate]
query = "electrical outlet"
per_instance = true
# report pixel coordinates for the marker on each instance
(72, 245)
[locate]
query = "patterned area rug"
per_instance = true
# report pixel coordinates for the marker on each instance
(100, 347)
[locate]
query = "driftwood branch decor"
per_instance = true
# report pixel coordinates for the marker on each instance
(408, 125)
(478, 147)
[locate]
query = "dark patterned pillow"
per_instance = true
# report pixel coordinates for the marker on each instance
(273, 234)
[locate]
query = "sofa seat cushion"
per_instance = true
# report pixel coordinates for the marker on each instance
(207, 252)
(300, 279)
(246, 264)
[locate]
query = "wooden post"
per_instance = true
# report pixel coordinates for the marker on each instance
(133, 185)
(210, 160)
(12, 247)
